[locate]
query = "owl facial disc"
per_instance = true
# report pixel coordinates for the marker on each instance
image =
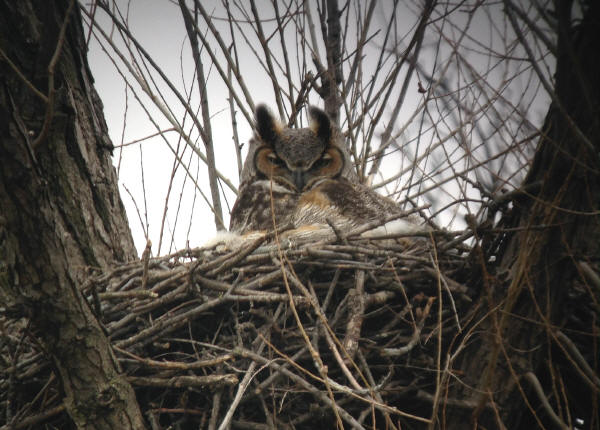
(297, 158)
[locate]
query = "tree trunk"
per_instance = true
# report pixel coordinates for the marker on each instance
(526, 301)
(60, 211)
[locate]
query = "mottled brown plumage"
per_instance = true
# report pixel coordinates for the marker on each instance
(304, 178)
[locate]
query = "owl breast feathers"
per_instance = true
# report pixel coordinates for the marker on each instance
(302, 178)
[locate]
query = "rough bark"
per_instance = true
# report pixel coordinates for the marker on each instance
(526, 299)
(60, 212)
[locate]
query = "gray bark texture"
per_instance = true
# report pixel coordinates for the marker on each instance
(61, 216)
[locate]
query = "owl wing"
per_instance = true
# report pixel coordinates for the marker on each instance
(350, 205)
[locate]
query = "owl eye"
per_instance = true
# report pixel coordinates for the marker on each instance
(324, 161)
(275, 160)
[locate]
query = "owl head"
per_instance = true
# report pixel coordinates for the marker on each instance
(295, 158)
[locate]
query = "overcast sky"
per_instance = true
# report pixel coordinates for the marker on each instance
(158, 26)
(145, 168)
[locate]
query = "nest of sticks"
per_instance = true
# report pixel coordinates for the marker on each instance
(265, 336)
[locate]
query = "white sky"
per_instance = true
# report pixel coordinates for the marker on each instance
(158, 25)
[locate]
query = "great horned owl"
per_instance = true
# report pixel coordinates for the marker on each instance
(303, 177)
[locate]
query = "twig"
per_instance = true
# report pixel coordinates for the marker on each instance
(537, 388)
(395, 352)
(211, 381)
(35, 419)
(590, 376)
(145, 261)
(23, 78)
(51, 91)
(238, 396)
(356, 307)
(207, 134)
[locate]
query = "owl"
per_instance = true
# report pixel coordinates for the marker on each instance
(303, 178)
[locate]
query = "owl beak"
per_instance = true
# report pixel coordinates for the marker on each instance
(299, 179)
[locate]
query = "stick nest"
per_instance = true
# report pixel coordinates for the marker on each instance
(344, 330)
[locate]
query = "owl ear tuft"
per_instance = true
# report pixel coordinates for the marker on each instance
(267, 126)
(320, 123)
